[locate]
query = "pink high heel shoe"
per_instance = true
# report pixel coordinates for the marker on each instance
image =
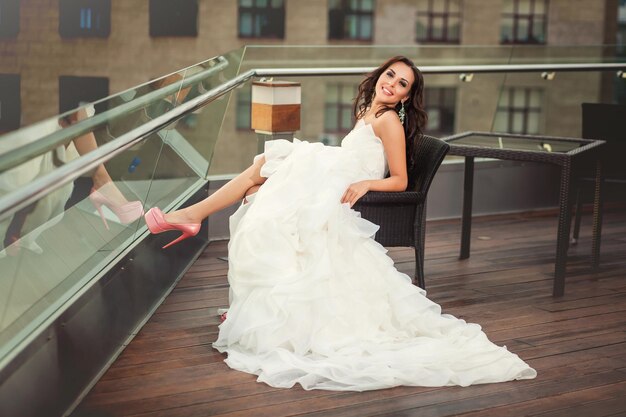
(157, 224)
(126, 213)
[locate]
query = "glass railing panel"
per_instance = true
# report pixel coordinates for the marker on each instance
(236, 144)
(321, 97)
(453, 106)
(56, 245)
(316, 56)
(550, 103)
(61, 242)
(459, 104)
(194, 137)
(311, 56)
(588, 54)
(118, 114)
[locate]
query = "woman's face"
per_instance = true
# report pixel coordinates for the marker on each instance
(394, 84)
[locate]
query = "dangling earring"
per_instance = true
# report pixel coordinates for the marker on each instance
(402, 113)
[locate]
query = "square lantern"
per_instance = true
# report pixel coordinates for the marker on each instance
(275, 106)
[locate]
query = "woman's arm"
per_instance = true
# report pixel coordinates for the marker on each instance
(389, 129)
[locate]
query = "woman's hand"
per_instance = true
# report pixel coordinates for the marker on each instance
(355, 191)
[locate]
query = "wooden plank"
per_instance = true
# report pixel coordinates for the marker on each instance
(554, 403)
(577, 342)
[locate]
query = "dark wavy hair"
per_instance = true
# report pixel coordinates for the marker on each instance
(415, 118)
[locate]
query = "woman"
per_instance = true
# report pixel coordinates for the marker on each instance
(314, 299)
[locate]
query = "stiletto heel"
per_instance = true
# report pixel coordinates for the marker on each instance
(126, 213)
(155, 220)
(99, 208)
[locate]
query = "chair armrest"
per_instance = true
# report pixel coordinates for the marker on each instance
(382, 198)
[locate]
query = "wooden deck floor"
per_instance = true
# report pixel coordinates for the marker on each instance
(577, 343)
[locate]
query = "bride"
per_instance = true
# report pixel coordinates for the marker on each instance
(314, 300)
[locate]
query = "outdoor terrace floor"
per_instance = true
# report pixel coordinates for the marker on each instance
(577, 343)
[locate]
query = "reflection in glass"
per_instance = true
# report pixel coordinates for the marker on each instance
(58, 244)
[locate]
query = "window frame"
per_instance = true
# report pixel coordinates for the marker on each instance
(69, 84)
(445, 15)
(511, 110)
(267, 11)
(9, 19)
(71, 18)
(10, 92)
(344, 12)
(531, 17)
(441, 105)
(155, 28)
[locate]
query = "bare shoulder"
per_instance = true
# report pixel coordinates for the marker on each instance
(388, 127)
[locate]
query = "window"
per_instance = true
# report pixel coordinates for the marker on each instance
(84, 18)
(440, 104)
(173, 18)
(9, 18)
(519, 111)
(73, 91)
(524, 21)
(10, 103)
(338, 112)
(243, 108)
(350, 19)
(438, 21)
(262, 19)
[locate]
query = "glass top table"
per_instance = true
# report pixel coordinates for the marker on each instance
(518, 143)
(571, 154)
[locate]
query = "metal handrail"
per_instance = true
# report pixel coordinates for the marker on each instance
(444, 69)
(72, 170)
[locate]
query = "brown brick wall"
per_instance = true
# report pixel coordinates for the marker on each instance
(130, 56)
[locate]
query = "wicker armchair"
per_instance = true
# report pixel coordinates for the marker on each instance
(402, 215)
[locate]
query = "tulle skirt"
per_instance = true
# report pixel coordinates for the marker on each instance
(316, 301)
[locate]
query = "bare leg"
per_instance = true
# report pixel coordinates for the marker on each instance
(87, 143)
(232, 192)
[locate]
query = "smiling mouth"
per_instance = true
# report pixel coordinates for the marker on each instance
(387, 92)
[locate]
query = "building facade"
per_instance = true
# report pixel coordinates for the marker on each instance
(51, 48)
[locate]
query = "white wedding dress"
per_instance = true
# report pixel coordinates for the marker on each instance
(316, 301)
